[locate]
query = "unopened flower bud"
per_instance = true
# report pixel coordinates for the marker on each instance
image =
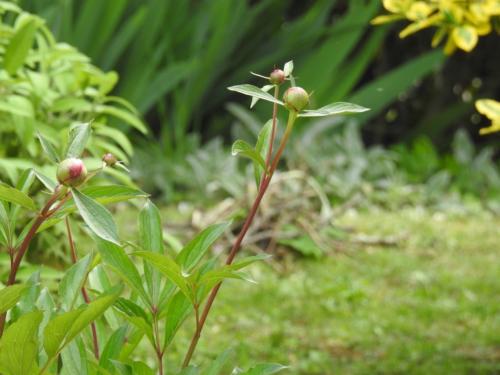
(109, 159)
(296, 98)
(277, 77)
(71, 172)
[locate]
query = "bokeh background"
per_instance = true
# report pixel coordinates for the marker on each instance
(384, 225)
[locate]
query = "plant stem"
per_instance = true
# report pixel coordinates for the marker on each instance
(237, 244)
(85, 295)
(158, 349)
(43, 215)
(273, 129)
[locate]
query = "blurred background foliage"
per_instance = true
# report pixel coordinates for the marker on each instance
(175, 59)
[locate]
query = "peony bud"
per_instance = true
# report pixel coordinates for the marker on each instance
(277, 77)
(109, 159)
(296, 98)
(71, 172)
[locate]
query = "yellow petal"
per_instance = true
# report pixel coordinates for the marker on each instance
(450, 46)
(465, 37)
(396, 6)
(385, 18)
(418, 10)
(490, 108)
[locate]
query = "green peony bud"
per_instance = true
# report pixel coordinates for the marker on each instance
(277, 77)
(296, 98)
(71, 172)
(109, 159)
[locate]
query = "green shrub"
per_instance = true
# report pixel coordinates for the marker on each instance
(45, 88)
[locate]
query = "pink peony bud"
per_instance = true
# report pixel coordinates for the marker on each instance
(109, 159)
(71, 172)
(296, 98)
(277, 77)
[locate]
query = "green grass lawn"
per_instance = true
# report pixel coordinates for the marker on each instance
(428, 306)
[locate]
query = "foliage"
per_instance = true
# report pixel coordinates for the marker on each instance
(44, 332)
(173, 58)
(48, 86)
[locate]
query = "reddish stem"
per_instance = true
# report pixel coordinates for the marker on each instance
(237, 244)
(43, 215)
(85, 295)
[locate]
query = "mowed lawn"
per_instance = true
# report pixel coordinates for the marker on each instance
(430, 305)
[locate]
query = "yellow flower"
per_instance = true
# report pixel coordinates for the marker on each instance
(491, 109)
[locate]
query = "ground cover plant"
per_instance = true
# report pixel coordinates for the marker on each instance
(45, 332)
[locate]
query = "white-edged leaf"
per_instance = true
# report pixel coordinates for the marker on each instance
(288, 68)
(242, 148)
(79, 135)
(334, 109)
(255, 92)
(49, 149)
(96, 216)
(10, 295)
(265, 88)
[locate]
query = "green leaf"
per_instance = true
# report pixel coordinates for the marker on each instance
(265, 88)
(19, 345)
(96, 216)
(115, 257)
(19, 46)
(10, 295)
(92, 312)
(265, 369)
(46, 181)
(168, 267)
(177, 311)
(288, 68)
(192, 253)
(79, 135)
(262, 148)
(113, 348)
(56, 330)
(151, 239)
(48, 149)
(73, 281)
(242, 148)
(74, 357)
(150, 229)
(217, 365)
(254, 92)
(9, 194)
(123, 115)
(334, 109)
(113, 193)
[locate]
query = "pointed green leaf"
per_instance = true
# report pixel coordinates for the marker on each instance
(123, 115)
(216, 367)
(96, 216)
(334, 109)
(255, 92)
(48, 148)
(10, 295)
(73, 281)
(19, 46)
(9, 194)
(262, 148)
(150, 229)
(19, 345)
(288, 68)
(265, 369)
(114, 256)
(57, 329)
(92, 312)
(244, 149)
(265, 88)
(113, 193)
(113, 348)
(168, 267)
(79, 135)
(192, 253)
(46, 181)
(178, 310)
